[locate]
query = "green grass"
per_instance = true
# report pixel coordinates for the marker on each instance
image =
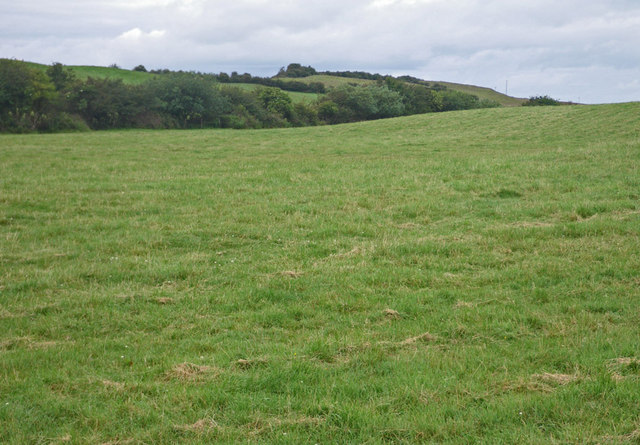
(101, 72)
(98, 72)
(481, 92)
(465, 277)
(330, 81)
(484, 93)
(296, 96)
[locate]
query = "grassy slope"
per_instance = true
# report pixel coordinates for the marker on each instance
(100, 72)
(329, 81)
(127, 76)
(295, 96)
(485, 93)
(481, 92)
(231, 286)
(134, 77)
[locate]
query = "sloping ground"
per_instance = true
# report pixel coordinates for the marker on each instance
(135, 77)
(484, 93)
(295, 95)
(481, 92)
(330, 81)
(100, 72)
(127, 76)
(462, 277)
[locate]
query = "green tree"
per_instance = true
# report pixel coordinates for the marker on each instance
(328, 111)
(105, 103)
(62, 78)
(190, 99)
(539, 101)
(296, 70)
(276, 101)
(27, 97)
(365, 102)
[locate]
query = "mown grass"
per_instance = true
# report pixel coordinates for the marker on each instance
(465, 277)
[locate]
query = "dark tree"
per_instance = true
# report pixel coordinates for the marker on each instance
(540, 101)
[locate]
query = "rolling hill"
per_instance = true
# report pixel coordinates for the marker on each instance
(135, 77)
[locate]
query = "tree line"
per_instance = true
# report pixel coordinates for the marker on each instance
(32, 100)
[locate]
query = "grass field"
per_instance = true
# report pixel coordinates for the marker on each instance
(464, 277)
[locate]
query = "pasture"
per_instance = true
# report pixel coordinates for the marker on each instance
(463, 277)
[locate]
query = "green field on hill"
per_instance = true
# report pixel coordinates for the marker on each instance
(83, 72)
(136, 78)
(295, 96)
(461, 277)
(484, 93)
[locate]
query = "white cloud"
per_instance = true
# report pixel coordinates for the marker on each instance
(136, 34)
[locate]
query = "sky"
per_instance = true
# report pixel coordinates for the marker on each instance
(584, 51)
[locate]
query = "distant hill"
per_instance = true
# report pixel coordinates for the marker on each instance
(330, 81)
(484, 93)
(37, 97)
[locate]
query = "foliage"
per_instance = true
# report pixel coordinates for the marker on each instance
(355, 75)
(58, 98)
(296, 70)
(456, 100)
(287, 85)
(63, 78)
(27, 97)
(276, 101)
(140, 68)
(365, 102)
(417, 99)
(539, 101)
(193, 101)
(104, 103)
(304, 115)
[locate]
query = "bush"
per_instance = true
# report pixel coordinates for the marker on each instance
(192, 100)
(276, 101)
(356, 103)
(28, 98)
(540, 101)
(296, 70)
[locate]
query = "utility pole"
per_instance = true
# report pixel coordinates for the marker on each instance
(506, 87)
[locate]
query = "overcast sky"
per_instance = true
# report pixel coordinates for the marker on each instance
(579, 50)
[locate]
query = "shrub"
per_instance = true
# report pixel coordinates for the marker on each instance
(539, 101)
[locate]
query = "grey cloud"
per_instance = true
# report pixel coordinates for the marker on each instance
(568, 49)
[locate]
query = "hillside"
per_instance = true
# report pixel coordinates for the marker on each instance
(296, 97)
(99, 72)
(134, 78)
(482, 92)
(467, 277)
